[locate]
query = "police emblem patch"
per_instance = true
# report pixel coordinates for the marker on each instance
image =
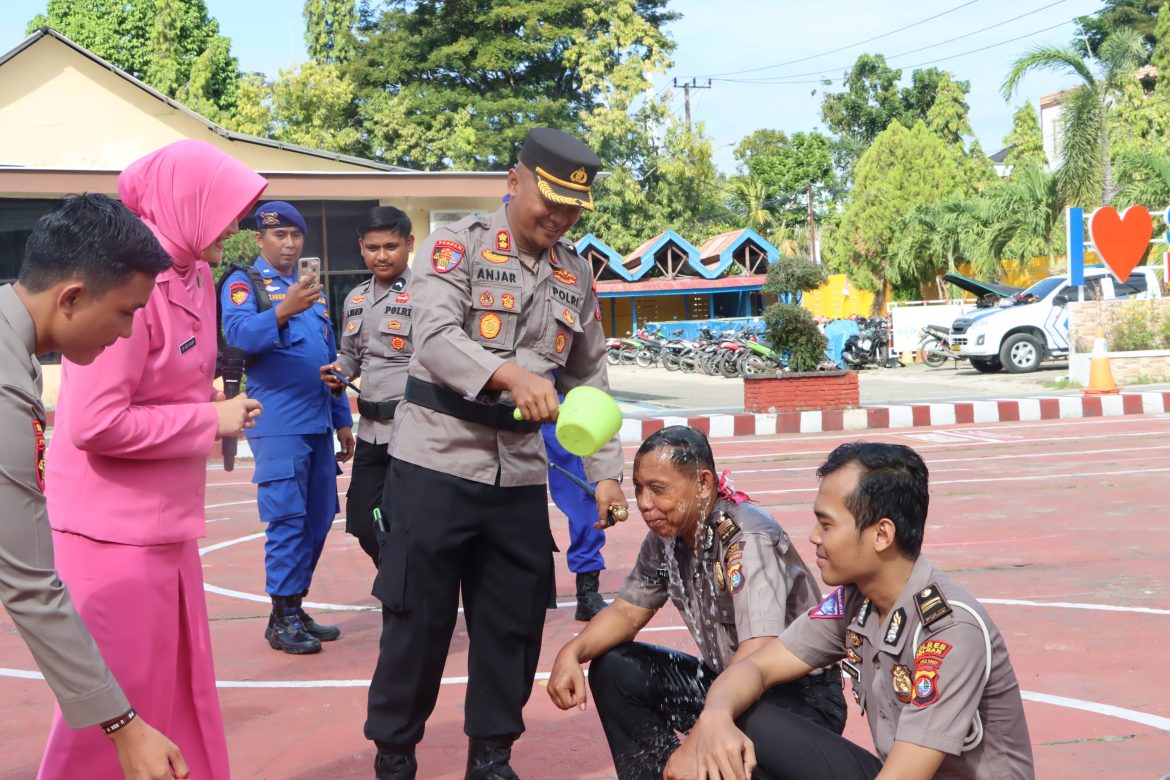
(269, 218)
(565, 277)
(402, 297)
(489, 326)
(925, 687)
(239, 292)
(447, 255)
(561, 343)
(486, 299)
(504, 241)
(568, 315)
(494, 257)
(398, 342)
(736, 578)
(39, 436)
(579, 176)
(393, 325)
(351, 326)
(832, 608)
(508, 301)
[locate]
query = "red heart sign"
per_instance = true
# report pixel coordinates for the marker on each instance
(1121, 239)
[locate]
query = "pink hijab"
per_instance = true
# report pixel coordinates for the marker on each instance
(187, 193)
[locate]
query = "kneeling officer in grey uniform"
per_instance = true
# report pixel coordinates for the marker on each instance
(734, 576)
(499, 304)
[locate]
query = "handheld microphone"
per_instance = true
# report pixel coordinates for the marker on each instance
(233, 372)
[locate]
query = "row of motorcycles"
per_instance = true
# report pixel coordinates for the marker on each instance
(731, 353)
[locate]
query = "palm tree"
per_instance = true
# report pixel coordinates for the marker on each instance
(1148, 178)
(1025, 214)
(1086, 172)
(750, 199)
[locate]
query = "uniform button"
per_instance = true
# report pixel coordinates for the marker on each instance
(203, 368)
(198, 323)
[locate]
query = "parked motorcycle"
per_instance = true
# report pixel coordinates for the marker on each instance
(934, 349)
(870, 347)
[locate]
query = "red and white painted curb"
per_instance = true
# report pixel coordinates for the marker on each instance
(636, 429)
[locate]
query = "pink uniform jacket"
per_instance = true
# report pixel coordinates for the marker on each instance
(127, 462)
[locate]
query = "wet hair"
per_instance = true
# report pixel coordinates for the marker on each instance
(384, 218)
(93, 238)
(690, 452)
(894, 483)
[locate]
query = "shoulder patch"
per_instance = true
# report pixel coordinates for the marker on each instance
(736, 578)
(928, 661)
(733, 554)
(831, 608)
(932, 606)
(39, 436)
(240, 292)
(446, 255)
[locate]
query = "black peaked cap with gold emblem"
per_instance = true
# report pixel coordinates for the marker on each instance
(564, 167)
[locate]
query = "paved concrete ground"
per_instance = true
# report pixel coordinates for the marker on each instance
(653, 390)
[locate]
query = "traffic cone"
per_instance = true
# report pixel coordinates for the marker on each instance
(1100, 374)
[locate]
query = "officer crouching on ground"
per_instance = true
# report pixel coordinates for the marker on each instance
(375, 345)
(499, 304)
(734, 576)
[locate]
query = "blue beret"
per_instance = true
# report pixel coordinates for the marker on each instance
(279, 214)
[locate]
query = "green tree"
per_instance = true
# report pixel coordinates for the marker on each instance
(451, 85)
(329, 26)
(785, 167)
(947, 115)
(1025, 215)
(931, 241)
(1140, 16)
(1025, 143)
(1086, 172)
(160, 42)
(902, 169)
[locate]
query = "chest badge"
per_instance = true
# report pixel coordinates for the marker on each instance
(568, 315)
(402, 297)
(508, 301)
(489, 326)
(351, 327)
(720, 578)
(494, 257)
(357, 299)
(398, 343)
(561, 343)
(903, 683)
(565, 277)
(486, 299)
(897, 623)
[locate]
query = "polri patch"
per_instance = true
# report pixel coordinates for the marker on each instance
(39, 438)
(831, 608)
(489, 326)
(932, 606)
(239, 292)
(447, 255)
(897, 623)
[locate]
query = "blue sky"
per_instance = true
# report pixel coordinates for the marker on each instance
(736, 35)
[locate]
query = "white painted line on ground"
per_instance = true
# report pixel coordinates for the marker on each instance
(229, 503)
(1073, 605)
(1144, 718)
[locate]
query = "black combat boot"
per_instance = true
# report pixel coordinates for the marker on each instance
(489, 759)
(285, 630)
(589, 601)
(323, 633)
(395, 765)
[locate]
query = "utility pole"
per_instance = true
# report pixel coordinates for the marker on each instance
(687, 94)
(812, 228)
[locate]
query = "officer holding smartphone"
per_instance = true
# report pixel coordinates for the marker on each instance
(277, 313)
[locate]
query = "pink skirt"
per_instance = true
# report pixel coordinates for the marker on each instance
(145, 608)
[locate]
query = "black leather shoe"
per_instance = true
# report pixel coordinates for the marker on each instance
(395, 766)
(489, 759)
(323, 633)
(286, 632)
(589, 601)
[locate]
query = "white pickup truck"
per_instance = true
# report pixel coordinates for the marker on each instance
(1032, 326)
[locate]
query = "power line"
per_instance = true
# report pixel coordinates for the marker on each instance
(843, 48)
(768, 79)
(906, 67)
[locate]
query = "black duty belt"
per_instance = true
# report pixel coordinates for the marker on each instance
(447, 401)
(376, 410)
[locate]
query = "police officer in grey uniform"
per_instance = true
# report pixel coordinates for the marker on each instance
(500, 303)
(930, 670)
(376, 346)
(89, 264)
(735, 578)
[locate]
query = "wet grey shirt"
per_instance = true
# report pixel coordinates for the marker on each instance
(746, 580)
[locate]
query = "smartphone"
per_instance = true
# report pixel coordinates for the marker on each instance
(309, 266)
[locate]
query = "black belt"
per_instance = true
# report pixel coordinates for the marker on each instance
(376, 410)
(447, 401)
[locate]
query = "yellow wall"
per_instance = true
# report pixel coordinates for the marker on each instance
(831, 300)
(59, 109)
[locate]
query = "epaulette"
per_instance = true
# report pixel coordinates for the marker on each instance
(932, 605)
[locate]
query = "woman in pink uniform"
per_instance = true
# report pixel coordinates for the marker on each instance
(126, 471)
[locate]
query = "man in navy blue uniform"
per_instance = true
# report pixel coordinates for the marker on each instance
(281, 321)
